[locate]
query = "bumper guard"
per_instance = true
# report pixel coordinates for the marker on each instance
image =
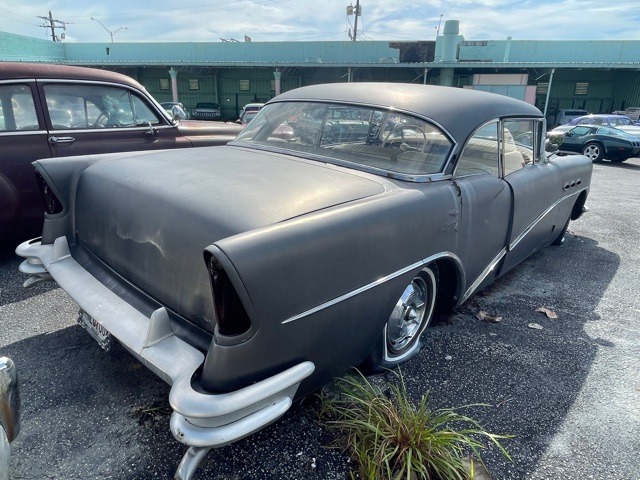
(200, 420)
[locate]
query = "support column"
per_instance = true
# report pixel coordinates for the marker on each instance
(278, 77)
(173, 73)
(446, 77)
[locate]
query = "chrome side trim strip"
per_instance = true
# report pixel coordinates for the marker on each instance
(492, 265)
(526, 231)
(371, 285)
(12, 133)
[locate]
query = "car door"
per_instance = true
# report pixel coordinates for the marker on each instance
(92, 117)
(574, 139)
(506, 187)
(537, 188)
(23, 139)
(485, 204)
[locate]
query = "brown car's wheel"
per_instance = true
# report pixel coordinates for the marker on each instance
(594, 151)
(400, 339)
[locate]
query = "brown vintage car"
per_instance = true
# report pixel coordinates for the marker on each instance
(59, 110)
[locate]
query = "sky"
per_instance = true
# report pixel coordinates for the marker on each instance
(321, 20)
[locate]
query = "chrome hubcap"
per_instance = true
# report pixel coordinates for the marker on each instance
(406, 321)
(592, 151)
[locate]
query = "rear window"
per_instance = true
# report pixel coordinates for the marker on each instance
(385, 141)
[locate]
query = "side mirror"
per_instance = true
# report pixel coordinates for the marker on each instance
(177, 113)
(550, 146)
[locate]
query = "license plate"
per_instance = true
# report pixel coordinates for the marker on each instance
(96, 330)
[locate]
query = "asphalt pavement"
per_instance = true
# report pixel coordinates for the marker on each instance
(568, 392)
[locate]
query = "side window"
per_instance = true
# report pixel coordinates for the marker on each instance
(17, 109)
(481, 153)
(74, 106)
(518, 144)
(142, 112)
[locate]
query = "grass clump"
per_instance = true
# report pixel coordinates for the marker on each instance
(390, 438)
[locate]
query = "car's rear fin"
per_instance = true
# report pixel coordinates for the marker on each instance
(231, 317)
(52, 203)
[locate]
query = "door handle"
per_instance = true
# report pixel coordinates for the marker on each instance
(152, 130)
(55, 140)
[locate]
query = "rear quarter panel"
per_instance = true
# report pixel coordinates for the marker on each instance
(287, 269)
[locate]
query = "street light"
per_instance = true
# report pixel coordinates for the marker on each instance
(110, 32)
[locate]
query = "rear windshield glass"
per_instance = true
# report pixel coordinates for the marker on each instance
(360, 136)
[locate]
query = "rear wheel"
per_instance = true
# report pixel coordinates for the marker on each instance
(594, 151)
(400, 338)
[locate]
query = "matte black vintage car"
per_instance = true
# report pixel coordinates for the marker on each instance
(596, 142)
(251, 274)
(61, 110)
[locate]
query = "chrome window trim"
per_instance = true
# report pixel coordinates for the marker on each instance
(376, 283)
(145, 94)
(431, 177)
(538, 156)
(142, 128)
(11, 133)
(357, 166)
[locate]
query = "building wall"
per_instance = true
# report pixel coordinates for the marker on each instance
(18, 48)
(555, 51)
(220, 66)
(211, 53)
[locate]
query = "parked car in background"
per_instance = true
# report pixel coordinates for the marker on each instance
(565, 115)
(246, 117)
(206, 111)
(251, 107)
(632, 112)
(168, 107)
(621, 122)
(596, 142)
(248, 112)
(58, 110)
(9, 413)
(325, 236)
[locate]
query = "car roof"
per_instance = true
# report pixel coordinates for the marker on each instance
(27, 70)
(458, 110)
(608, 116)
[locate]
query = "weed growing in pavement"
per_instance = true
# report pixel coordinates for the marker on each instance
(390, 438)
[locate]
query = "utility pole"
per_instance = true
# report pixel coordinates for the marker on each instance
(51, 22)
(357, 11)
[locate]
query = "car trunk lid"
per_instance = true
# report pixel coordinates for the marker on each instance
(149, 218)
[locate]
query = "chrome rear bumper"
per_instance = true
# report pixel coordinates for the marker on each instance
(200, 420)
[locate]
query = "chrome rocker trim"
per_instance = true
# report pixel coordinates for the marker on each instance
(200, 420)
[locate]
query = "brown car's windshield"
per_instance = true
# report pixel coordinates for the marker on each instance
(380, 139)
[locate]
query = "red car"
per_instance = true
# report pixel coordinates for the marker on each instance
(59, 110)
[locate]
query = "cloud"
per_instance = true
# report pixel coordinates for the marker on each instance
(290, 20)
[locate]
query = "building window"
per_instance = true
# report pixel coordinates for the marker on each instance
(582, 88)
(194, 84)
(542, 89)
(245, 85)
(273, 85)
(164, 84)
